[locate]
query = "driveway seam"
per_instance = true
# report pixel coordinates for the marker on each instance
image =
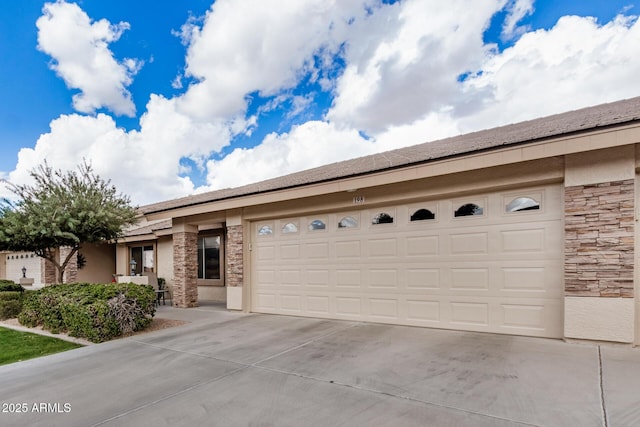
(398, 396)
(296, 347)
(602, 399)
(162, 399)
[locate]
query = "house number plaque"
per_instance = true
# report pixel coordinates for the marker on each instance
(358, 200)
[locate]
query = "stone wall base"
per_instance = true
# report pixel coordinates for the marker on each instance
(599, 319)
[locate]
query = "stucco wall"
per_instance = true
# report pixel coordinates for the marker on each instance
(164, 258)
(596, 318)
(100, 263)
(16, 260)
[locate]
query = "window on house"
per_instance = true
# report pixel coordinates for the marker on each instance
(520, 204)
(265, 230)
(468, 209)
(422, 215)
(209, 257)
(289, 228)
(382, 218)
(144, 259)
(316, 224)
(348, 222)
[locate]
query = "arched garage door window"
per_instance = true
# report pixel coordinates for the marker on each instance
(468, 209)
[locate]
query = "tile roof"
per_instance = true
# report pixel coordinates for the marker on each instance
(586, 119)
(147, 228)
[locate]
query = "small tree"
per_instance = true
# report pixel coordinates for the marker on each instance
(62, 209)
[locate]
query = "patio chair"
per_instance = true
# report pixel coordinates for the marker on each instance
(160, 289)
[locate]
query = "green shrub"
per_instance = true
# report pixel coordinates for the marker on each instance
(10, 286)
(96, 312)
(10, 304)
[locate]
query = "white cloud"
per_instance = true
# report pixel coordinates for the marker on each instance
(144, 164)
(401, 85)
(79, 48)
(517, 10)
(311, 144)
(247, 46)
(404, 62)
(574, 64)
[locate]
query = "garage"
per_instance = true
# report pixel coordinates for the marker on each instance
(489, 262)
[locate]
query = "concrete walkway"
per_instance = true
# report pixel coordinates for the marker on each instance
(233, 369)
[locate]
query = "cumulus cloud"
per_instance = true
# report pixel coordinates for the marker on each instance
(144, 164)
(81, 57)
(311, 144)
(517, 10)
(577, 63)
(247, 46)
(399, 74)
(404, 62)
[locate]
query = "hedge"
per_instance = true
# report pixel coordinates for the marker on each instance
(10, 304)
(97, 312)
(10, 286)
(10, 299)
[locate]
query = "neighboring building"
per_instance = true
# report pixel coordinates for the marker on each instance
(97, 266)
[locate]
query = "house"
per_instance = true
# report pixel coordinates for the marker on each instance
(527, 229)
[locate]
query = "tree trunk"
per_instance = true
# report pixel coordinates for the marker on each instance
(50, 255)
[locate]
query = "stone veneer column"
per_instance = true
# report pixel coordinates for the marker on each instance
(234, 255)
(599, 239)
(599, 259)
(185, 266)
(71, 271)
(48, 272)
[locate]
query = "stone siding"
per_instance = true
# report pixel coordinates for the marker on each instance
(234, 255)
(599, 239)
(71, 271)
(185, 269)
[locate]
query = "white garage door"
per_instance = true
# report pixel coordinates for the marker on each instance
(489, 262)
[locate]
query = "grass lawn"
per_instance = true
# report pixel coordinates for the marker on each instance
(16, 346)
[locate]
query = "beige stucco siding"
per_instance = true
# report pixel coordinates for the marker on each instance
(164, 260)
(100, 263)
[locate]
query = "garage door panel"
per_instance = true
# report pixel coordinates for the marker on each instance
(348, 306)
(496, 272)
(316, 250)
(469, 279)
(469, 243)
(318, 305)
(317, 277)
(469, 313)
(382, 248)
(422, 278)
(290, 251)
(290, 303)
(383, 308)
(422, 311)
(382, 278)
(348, 278)
(421, 246)
(348, 249)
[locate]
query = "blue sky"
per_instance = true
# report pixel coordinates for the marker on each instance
(171, 98)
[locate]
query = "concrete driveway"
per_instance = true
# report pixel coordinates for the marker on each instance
(234, 369)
